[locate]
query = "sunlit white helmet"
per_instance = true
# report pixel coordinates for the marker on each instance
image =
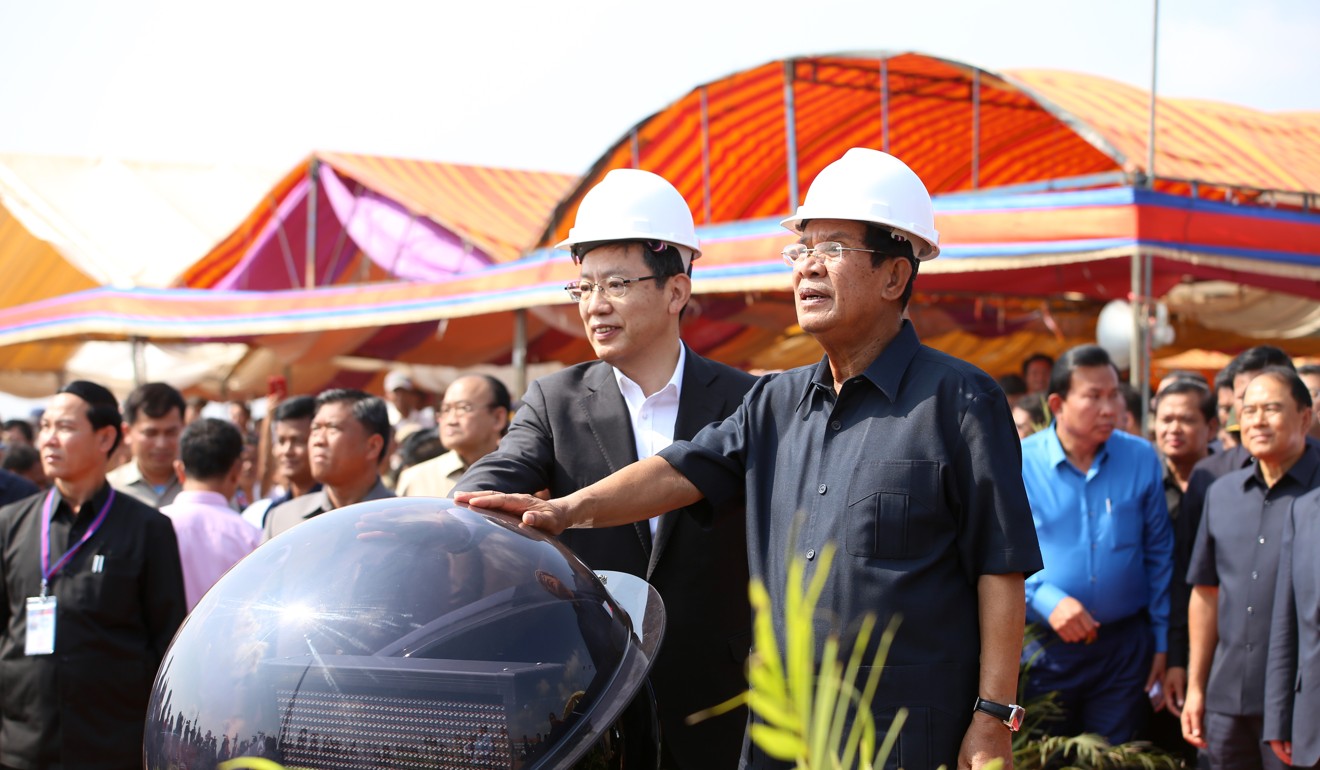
(633, 205)
(875, 187)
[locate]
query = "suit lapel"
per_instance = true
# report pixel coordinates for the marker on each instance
(697, 407)
(611, 428)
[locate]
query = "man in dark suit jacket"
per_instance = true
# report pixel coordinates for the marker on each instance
(1292, 673)
(580, 425)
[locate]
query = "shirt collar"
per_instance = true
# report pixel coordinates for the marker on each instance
(1054, 448)
(631, 391)
(93, 503)
(1301, 471)
(201, 497)
(885, 372)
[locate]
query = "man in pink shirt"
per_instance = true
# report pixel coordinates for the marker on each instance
(212, 537)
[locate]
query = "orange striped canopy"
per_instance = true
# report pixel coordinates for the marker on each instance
(728, 145)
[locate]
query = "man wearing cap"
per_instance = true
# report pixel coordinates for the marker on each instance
(635, 241)
(91, 593)
(904, 457)
(409, 401)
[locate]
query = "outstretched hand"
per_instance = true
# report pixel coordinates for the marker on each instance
(545, 515)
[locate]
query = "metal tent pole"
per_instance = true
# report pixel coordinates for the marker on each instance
(519, 358)
(790, 136)
(313, 170)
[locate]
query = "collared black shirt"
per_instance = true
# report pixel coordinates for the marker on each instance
(914, 470)
(84, 706)
(1237, 549)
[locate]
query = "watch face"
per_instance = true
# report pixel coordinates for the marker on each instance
(1014, 720)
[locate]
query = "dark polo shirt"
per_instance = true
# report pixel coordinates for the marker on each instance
(1237, 549)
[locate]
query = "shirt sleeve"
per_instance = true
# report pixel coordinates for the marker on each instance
(1158, 554)
(997, 534)
(715, 460)
(1201, 570)
(525, 458)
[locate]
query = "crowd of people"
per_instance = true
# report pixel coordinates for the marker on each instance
(1167, 567)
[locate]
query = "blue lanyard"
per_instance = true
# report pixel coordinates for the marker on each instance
(47, 513)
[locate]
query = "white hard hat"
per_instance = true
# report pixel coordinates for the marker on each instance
(634, 205)
(872, 186)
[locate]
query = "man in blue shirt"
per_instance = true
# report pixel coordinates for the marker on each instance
(1102, 600)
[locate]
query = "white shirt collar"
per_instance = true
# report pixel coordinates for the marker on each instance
(632, 392)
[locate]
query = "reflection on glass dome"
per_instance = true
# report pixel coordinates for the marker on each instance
(406, 633)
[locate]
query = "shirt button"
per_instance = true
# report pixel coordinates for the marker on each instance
(1255, 575)
(1251, 610)
(821, 489)
(1248, 646)
(1261, 540)
(811, 554)
(836, 425)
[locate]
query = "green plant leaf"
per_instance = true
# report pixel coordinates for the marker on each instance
(779, 744)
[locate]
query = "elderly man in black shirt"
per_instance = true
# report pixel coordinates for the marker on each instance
(1233, 570)
(91, 593)
(907, 456)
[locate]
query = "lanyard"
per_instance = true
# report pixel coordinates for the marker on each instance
(47, 511)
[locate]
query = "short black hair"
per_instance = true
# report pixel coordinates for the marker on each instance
(22, 426)
(1131, 398)
(1260, 358)
(154, 400)
(1303, 369)
(21, 458)
(662, 259)
(367, 409)
(1224, 379)
(1013, 385)
(1206, 401)
(1186, 374)
(102, 408)
(296, 408)
(1035, 408)
(1288, 376)
(420, 446)
(209, 448)
(500, 394)
(884, 246)
(1076, 358)
(1033, 358)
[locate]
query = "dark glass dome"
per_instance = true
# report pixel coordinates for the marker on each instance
(408, 633)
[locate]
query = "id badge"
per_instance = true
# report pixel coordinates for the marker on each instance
(40, 625)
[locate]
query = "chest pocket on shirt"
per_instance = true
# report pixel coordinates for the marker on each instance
(893, 509)
(1126, 524)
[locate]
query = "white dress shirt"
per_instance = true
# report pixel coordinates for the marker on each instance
(653, 417)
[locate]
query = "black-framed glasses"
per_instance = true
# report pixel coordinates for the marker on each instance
(613, 287)
(829, 251)
(462, 408)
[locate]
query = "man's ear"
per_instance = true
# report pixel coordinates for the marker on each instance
(374, 443)
(678, 292)
(1055, 402)
(899, 273)
(178, 471)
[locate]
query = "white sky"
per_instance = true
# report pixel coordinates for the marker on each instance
(535, 84)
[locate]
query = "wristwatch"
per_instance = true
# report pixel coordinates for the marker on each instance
(1011, 715)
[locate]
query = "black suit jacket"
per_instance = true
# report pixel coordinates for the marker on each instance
(574, 430)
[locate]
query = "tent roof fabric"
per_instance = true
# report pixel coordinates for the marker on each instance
(498, 211)
(725, 145)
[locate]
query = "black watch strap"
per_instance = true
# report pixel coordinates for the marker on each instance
(1010, 714)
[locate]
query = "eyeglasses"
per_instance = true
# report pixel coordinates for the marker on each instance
(1270, 410)
(829, 251)
(462, 408)
(614, 287)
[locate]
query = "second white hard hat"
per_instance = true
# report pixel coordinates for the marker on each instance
(634, 205)
(871, 186)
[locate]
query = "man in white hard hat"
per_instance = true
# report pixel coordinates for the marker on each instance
(905, 457)
(634, 240)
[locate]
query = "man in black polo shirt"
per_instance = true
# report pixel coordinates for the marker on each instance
(904, 456)
(1233, 570)
(91, 593)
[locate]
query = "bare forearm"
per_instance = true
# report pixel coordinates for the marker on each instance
(1202, 634)
(1003, 613)
(640, 491)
